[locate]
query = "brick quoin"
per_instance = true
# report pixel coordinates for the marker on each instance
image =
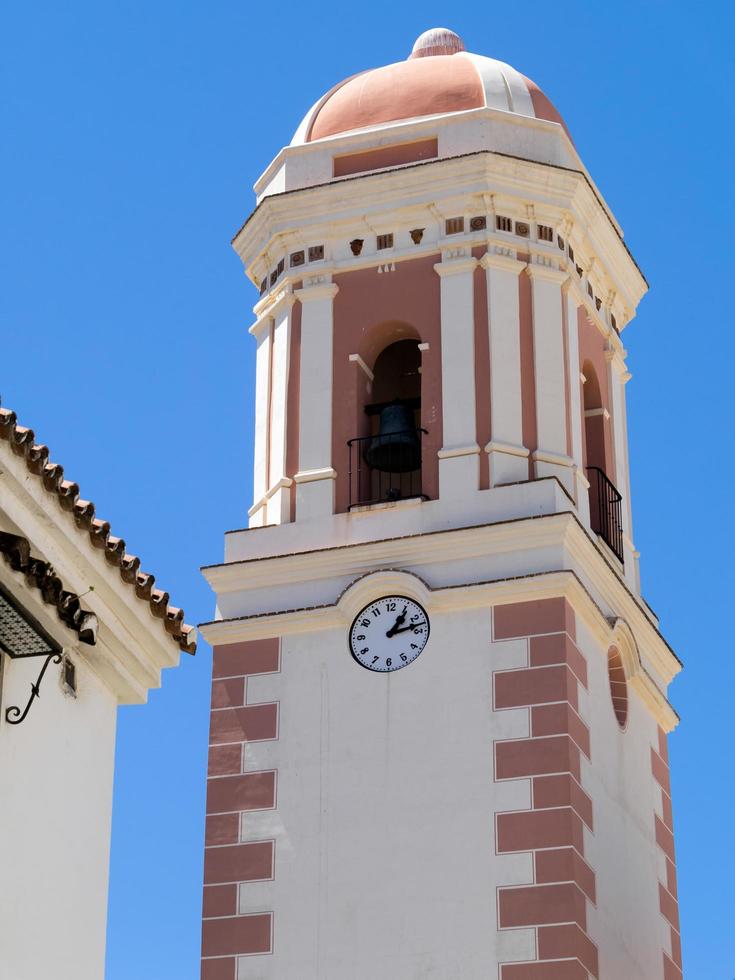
(555, 906)
(664, 832)
(232, 790)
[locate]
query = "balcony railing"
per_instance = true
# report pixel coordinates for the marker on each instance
(391, 481)
(606, 515)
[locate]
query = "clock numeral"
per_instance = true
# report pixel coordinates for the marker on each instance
(375, 612)
(364, 651)
(414, 646)
(390, 606)
(361, 636)
(414, 618)
(388, 662)
(364, 622)
(375, 659)
(403, 655)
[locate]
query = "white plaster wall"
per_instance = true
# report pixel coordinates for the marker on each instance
(385, 863)
(626, 925)
(56, 773)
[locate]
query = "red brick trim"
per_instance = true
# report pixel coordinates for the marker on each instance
(233, 790)
(663, 826)
(555, 904)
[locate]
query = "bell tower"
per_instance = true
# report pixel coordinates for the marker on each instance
(439, 709)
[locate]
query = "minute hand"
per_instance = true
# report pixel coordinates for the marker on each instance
(403, 629)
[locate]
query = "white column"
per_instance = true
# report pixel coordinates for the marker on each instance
(261, 330)
(316, 476)
(619, 377)
(551, 458)
(278, 494)
(581, 483)
(458, 457)
(507, 454)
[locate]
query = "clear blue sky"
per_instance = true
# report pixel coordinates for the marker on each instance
(132, 134)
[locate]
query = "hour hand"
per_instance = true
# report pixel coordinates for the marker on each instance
(394, 628)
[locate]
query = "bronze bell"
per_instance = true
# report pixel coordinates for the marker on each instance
(396, 448)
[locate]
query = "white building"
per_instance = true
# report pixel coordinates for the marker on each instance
(441, 485)
(82, 629)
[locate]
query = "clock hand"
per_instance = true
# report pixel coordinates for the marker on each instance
(399, 620)
(404, 629)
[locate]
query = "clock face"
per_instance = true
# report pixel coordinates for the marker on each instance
(389, 633)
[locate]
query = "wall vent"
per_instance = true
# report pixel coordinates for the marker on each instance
(356, 246)
(503, 224)
(316, 252)
(297, 258)
(522, 229)
(385, 241)
(478, 224)
(598, 302)
(545, 233)
(453, 226)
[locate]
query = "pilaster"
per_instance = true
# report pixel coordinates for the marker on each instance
(458, 458)
(507, 454)
(315, 477)
(551, 457)
(581, 483)
(619, 377)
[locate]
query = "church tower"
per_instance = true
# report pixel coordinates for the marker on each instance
(439, 709)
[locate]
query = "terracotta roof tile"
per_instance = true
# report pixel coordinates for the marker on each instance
(41, 574)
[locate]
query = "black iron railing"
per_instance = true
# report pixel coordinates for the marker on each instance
(391, 481)
(606, 514)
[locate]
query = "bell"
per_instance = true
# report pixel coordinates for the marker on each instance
(396, 448)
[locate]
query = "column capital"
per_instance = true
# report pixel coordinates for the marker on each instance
(547, 273)
(319, 290)
(506, 263)
(454, 267)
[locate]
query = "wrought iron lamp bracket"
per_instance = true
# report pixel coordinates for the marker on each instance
(13, 714)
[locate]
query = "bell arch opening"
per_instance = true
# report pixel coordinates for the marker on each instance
(386, 462)
(605, 501)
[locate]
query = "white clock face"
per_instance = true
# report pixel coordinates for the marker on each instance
(389, 633)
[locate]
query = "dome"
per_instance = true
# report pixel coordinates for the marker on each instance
(438, 77)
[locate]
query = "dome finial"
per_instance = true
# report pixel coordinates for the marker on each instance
(437, 40)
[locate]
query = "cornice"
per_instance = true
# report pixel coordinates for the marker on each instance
(562, 582)
(325, 210)
(604, 580)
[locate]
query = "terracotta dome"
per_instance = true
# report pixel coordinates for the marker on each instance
(438, 77)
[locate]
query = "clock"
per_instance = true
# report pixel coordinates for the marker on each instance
(389, 633)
